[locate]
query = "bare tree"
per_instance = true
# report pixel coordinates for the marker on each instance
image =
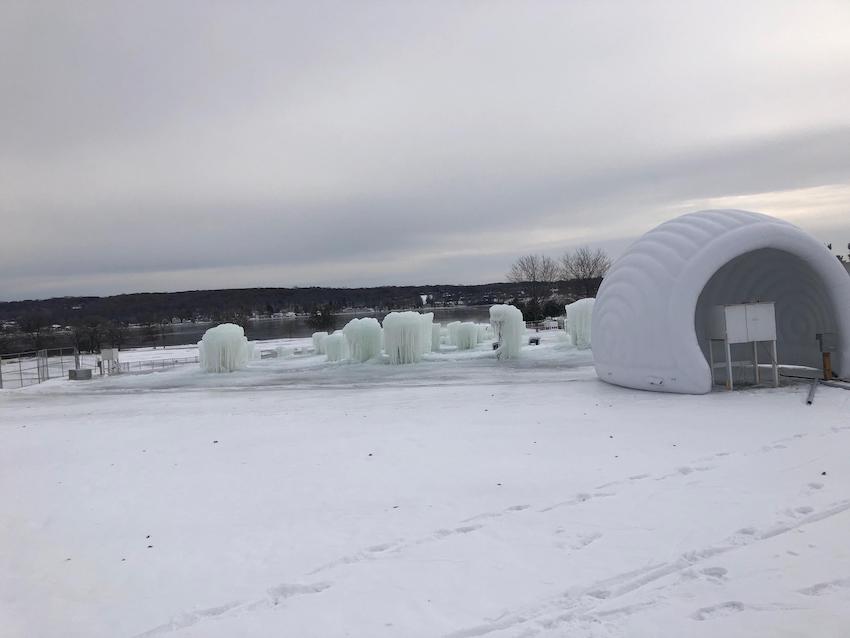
(34, 325)
(587, 266)
(534, 270)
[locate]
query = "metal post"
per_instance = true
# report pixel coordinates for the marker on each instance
(1, 373)
(729, 382)
(756, 360)
(20, 371)
(775, 365)
(42, 365)
(812, 389)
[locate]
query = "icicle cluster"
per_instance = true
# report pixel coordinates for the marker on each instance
(319, 342)
(336, 347)
(579, 315)
(466, 336)
(509, 330)
(427, 320)
(436, 334)
(364, 339)
(224, 349)
(403, 337)
(453, 328)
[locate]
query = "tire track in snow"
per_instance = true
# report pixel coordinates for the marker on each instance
(477, 523)
(577, 604)
(274, 597)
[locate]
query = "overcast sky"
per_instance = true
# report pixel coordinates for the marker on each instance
(182, 145)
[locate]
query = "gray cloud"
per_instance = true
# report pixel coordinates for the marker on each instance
(181, 145)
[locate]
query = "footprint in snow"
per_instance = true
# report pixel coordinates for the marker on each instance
(819, 589)
(286, 590)
(714, 572)
(466, 529)
(380, 548)
(723, 609)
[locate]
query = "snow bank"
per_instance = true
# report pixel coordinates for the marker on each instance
(403, 337)
(319, 342)
(336, 347)
(579, 318)
(466, 337)
(224, 349)
(436, 334)
(509, 330)
(364, 339)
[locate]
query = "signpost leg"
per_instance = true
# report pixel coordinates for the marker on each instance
(729, 384)
(756, 360)
(775, 365)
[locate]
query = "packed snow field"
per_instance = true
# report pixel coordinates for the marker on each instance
(461, 496)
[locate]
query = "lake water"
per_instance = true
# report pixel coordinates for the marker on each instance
(294, 327)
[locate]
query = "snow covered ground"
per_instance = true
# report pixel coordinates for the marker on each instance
(458, 497)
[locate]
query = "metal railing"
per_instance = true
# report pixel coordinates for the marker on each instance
(140, 367)
(21, 369)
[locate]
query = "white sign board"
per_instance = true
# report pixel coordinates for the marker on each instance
(743, 323)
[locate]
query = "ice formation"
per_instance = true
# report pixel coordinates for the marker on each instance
(224, 348)
(364, 339)
(403, 336)
(650, 317)
(336, 347)
(427, 321)
(508, 329)
(452, 329)
(285, 351)
(466, 337)
(579, 315)
(319, 342)
(484, 332)
(436, 334)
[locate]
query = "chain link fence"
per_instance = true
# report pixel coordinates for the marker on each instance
(21, 369)
(140, 367)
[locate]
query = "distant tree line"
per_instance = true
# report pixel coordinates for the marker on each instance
(91, 323)
(583, 268)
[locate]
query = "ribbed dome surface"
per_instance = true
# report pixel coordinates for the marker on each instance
(649, 318)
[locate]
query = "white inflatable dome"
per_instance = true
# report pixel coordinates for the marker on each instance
(650, 318)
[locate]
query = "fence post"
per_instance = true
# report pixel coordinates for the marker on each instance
(1, 373)
(42, 366)
(76, 358)
(20, 371)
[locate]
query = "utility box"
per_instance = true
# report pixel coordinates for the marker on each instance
(79, 374)
(743, 323)
(109, 357)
